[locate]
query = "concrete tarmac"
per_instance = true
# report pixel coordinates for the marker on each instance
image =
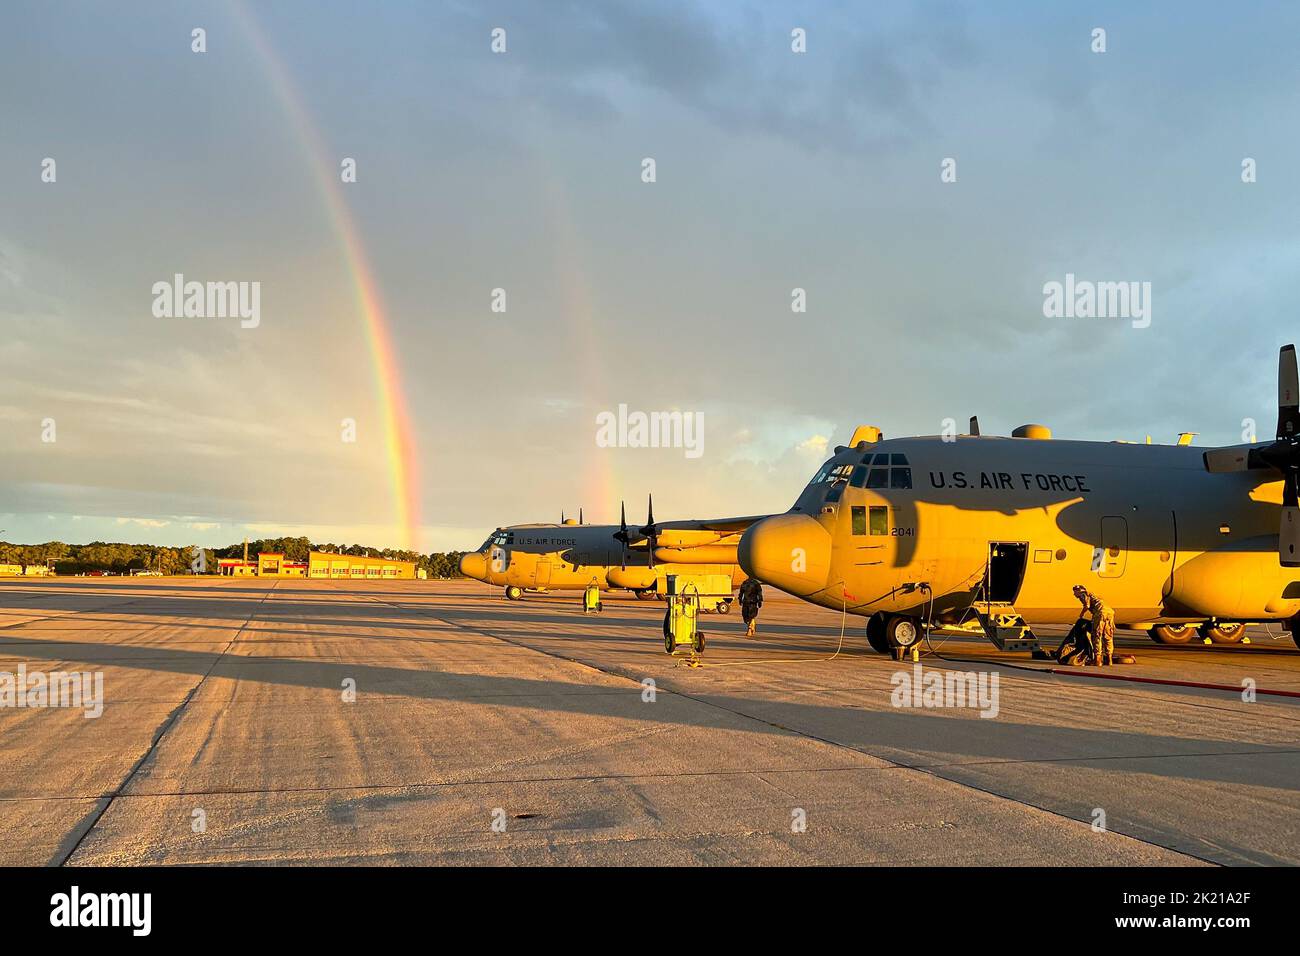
(258, 721)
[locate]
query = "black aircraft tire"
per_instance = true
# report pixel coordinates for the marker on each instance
(1224, 633)
(646, 594)
(876, 634)
(1173, 633)
(514, 594)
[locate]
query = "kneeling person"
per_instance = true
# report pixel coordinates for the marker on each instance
(1102, 627)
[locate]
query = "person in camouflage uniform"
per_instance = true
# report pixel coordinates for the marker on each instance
(1102, 628)
(751, 599)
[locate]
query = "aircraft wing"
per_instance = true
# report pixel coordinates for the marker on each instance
(721, 525)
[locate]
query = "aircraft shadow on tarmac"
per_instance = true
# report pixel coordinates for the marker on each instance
(380, 614)
(957, 738)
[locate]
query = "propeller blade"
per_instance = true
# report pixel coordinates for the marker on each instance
(622, 533)
(975, 426)
(1288, 394)
(1221, 461)
(1288, 538)
(579, 515)
(650, 531)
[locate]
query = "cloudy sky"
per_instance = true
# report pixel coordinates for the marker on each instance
(522, 171)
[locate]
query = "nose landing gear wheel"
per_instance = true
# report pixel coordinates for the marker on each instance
(1172, 633)
(1224, 633)
(903, 633)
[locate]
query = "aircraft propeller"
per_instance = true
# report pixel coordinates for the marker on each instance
(1282, 454)
(651, 530)
(621, 534)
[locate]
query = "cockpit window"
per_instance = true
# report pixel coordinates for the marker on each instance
(832, 472)
(839, 479)
(889, 471)
(822, 474)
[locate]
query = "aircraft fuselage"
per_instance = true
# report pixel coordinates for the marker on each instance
(1145, 527)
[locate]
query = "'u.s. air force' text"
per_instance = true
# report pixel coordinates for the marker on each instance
(1001, 480)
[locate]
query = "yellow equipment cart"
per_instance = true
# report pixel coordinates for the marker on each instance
(682, 622)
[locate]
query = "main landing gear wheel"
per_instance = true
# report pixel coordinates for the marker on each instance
(646, 594)
(1172, 633)
(903, 633)
(724, 607)
(876, 634)
(1224, 633)
(514, 594)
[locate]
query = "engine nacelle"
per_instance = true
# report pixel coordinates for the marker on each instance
(1242, 582)
(706, 554)
(633, 579)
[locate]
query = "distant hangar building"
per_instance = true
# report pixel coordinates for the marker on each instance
(320, 564)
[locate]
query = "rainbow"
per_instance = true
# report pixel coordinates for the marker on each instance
(399, 446)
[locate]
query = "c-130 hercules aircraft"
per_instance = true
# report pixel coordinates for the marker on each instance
(571, 555)
(952, 531)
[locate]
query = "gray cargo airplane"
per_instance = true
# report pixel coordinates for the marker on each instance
(949, 530)
(572, 555)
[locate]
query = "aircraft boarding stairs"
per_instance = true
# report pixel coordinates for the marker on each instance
(1004, 626)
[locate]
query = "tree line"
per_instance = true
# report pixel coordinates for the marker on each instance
(119, 558)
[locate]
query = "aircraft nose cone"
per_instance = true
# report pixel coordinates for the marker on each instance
(474, 565)
(790, 551)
